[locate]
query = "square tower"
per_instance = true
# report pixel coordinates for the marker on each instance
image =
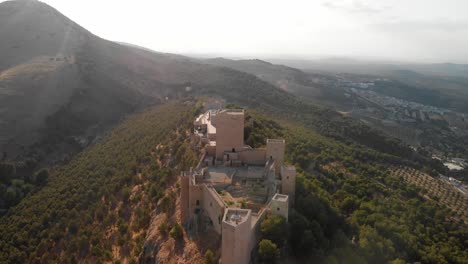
(280, 205)
(229, 131)
(288, 182)
(275, 150)
(236, 236)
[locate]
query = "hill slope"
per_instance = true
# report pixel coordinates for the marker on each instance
(72, 85)
(300, 83)
(61, 86)
(66, 87)
(45, 77)
(99, 207)
(100, 198)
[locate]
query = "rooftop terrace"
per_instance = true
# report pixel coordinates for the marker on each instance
(236, 216)
(280, 197)
(233, 111)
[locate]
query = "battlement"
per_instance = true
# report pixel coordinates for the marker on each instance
(234, 216)
(275, 141)
(233, 111)
(280, 197)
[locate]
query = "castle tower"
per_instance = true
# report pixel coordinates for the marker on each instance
(288, 182)
(275, 150)
(229, 131)
(236, 243)
(280, 205)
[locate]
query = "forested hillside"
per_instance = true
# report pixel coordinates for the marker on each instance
(97, 208)
(349, 208)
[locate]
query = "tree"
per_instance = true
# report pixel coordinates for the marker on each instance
(42, 176)
(349, 205)
(268, 251)
(275, 229)
(209, 257)
(163, 227)
(306, 237)
(176, 231)
(167, 203)
(126, 192)
(377, 248)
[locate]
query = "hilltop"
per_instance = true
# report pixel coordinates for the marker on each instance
(115, 122)
(117, 200)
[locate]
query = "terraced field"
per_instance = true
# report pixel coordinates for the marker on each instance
(435, 189)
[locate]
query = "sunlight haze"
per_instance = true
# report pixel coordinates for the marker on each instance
(426, 31)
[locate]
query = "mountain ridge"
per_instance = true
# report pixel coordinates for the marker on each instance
(104, 80)
(99, 205)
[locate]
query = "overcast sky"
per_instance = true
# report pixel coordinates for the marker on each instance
(407, 30)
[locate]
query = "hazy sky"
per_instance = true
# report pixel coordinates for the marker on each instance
(410, 30)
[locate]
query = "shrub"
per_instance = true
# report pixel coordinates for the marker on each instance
(167, 203)
(275, 229)
(42, 176)
(162, 229)
(209, 257)
(126, 193)
(176, 232)
(268, 251)
(243, 204)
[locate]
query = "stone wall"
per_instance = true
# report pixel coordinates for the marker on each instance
(253, 156)
(213, 206)
(275, 150)
(288, 182)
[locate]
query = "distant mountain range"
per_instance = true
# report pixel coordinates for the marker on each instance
(374, 66)
(61, 86)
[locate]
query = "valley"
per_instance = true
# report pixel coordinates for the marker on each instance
(436, 123)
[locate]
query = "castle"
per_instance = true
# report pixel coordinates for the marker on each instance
(235, 186)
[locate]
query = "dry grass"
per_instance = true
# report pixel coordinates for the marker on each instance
(37, 66)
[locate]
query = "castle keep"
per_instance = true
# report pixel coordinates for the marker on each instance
(235, 186)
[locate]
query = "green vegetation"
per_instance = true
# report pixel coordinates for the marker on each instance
(176, 232)
(274, 228)
(350, 209)
(163, 229)
(209, 257)
(435, 189)
(167, 203)
(17, 180)
(256, 132)
(268, 251)
(102, 198)
(243, 203)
